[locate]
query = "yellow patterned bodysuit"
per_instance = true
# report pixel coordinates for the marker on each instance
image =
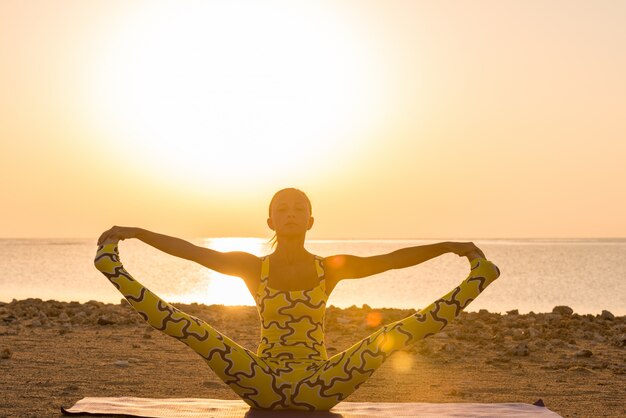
(291, 369)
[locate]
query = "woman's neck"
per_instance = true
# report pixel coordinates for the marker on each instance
(291, 250)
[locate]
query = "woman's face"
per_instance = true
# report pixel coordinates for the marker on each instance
(290, 214)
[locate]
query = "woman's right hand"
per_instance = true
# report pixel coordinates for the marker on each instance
(117, 233)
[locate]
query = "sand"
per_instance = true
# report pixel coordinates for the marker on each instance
(53, 354)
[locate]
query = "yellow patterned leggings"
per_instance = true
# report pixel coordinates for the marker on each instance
(290, 384)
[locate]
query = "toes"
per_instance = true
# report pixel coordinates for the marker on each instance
(106, 256)
(487, 266)
(497, 270)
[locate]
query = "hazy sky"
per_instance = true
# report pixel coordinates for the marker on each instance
(400, 119)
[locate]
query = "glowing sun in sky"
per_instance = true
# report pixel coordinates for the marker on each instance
(240, 92)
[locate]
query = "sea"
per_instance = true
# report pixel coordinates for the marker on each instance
(588, 275)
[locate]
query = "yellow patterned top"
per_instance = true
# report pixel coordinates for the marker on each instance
(292, 321)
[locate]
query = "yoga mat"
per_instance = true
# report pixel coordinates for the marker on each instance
(219, 408)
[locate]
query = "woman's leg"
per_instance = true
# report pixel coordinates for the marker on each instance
(343, 373)
(247, 374)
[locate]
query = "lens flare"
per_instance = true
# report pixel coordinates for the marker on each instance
(373, 319)
(402, 362)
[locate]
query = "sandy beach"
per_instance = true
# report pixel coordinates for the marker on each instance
(55, 353)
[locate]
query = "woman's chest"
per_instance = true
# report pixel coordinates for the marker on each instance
(293, 277)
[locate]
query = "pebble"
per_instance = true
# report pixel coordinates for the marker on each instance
(563, 310)
(6, 353)
(583, 353)
(519, 334)
(94, 303)
(482, 313)
(520, 350)
(121, 363)
(607, 315)
(619, 340)
(104, 320)
(579, 369)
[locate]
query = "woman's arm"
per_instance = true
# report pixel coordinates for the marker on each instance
(340, 267)
(171, 245)
(235, 263)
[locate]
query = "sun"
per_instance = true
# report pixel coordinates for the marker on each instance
(247, 93)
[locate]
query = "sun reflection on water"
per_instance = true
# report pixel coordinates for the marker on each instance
(229, 290)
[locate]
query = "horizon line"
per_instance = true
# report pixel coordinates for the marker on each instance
(356, 239)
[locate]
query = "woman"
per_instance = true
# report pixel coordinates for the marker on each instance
(291, 369)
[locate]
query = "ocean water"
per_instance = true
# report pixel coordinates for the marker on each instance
(587, 275)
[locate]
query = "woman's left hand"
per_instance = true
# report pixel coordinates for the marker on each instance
(462, 249)
(115, 234)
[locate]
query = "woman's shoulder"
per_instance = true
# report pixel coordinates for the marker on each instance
(334, 265)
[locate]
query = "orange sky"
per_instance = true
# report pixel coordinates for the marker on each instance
(400, 119)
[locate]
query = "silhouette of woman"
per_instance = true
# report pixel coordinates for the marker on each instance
(291, 369)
